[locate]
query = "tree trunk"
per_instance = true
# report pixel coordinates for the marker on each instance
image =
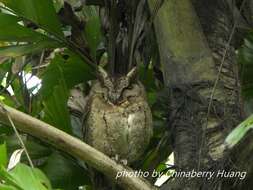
(192, 52)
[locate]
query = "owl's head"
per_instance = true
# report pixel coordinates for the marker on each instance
(116, 85)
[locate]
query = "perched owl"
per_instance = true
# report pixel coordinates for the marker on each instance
(118, 121)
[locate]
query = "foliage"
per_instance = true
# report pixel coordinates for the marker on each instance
(21, 177)
(246, 62)
(3, 155)
(36, 39)
(239, 132)
(245, 57)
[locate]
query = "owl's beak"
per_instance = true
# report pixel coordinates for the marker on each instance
(114, 98)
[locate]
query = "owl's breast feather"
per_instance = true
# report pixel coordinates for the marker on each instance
(123, 129)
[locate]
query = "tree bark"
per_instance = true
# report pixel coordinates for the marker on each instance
(219, 27)
(204, 84)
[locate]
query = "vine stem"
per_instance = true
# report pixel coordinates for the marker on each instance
(18, 135)
(217, 80)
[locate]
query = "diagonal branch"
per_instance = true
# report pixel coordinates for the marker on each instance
(72, 146)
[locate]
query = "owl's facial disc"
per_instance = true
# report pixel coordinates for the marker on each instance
(114, 97)
(115, 85)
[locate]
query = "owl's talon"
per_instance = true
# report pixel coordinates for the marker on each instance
(120, 161)
(116, 158)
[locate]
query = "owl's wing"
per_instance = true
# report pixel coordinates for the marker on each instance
(76, 105)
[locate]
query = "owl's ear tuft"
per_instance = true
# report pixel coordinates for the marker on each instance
(132, 74)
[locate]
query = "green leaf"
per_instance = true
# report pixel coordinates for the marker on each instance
(37, 151)
(62, 74)
(239, 132)
(245, 58)
(65, 173)
(58, 4)
(26, 178)
(7, 187)
(74, 71)
(55, 108)
(5, 130)
(92, 29)
(4, 175)
(42, 178)
(17, 85)
(12, 31)
(149, 158)
(5, 67)
(41, 12)
(147, 78)
(151, 96)
(3, 155)
(19, 50)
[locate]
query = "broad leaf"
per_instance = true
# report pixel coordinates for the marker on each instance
(147, 78)
(56, 111)
(12, 31)
(239, 132)
(65, 173)
(25, 178)
(19, 50)
(92, 29)
(5, 67)
(74, 71)
(9, 180)
(55, 108)
(3, 155)
(41, 12)
(62, 74)
(37, 150)
(7, 187)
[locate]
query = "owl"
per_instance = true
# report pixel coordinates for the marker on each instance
(118, 121)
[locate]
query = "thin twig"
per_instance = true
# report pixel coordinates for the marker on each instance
(18, 135)
(40, 66)
(222, 62)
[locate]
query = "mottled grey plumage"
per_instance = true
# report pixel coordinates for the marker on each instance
(119, 120)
